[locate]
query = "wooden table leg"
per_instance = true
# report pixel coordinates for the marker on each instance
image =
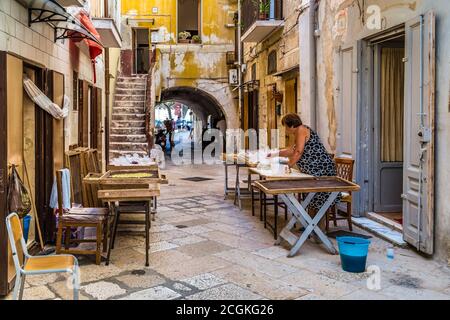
(147, 232)
(275, 226)
(226, 180)
(253, 200)
(260, 205)
(265, 209)
(112, 233)
(311, 225)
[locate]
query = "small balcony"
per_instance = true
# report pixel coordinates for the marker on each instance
(260, 18)
(106, 19)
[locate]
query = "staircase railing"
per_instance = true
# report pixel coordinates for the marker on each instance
(148, 103)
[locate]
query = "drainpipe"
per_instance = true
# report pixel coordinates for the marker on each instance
(107, 106)
(239, 59)
(313, 62)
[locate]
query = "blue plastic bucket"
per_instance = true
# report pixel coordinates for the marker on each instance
(353, 252)
(26, 226)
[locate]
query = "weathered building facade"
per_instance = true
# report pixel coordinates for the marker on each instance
(52, 46)
(183, 46)
(374, 83)
(270, 45)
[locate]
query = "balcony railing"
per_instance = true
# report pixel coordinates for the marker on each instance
(260, 10)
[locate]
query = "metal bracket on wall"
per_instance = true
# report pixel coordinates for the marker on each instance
(42, 17)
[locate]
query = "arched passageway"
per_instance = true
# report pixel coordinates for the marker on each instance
(195, 108)
(200, 102)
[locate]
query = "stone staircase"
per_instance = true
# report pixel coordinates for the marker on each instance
(127, 132)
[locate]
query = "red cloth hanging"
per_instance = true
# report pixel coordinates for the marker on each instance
(95, 49)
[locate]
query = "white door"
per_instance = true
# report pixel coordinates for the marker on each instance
(418, 179)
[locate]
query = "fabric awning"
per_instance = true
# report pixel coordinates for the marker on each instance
(64, 23)
(44, 102)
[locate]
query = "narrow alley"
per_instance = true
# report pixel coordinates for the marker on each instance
(224, 150)
(204, 247)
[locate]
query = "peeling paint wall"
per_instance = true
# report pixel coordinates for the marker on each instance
(286, 44)
(201, 66)
(343, 22)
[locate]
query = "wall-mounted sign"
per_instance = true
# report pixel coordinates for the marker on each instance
(233, 77)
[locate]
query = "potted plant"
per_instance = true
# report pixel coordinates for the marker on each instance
(263, 8)
(183, 37)
(196, 39)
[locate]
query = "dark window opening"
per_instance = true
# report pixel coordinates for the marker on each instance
(189, 21)
(254, 71)
(272, 62)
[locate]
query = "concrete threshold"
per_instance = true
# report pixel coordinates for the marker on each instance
(385, 221)
(389, 234)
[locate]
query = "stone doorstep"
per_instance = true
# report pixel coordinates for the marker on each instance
(385, 221)
(380, 231)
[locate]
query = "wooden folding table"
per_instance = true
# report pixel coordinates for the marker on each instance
(137, 200)
(238, 161)
(263, 201)
(130, 191)
(286, 190)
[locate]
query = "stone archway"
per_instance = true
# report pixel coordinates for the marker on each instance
(202, 103)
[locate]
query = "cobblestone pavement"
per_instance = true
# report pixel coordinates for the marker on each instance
(203, 247)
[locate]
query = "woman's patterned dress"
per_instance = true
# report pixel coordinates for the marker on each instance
(317, 162)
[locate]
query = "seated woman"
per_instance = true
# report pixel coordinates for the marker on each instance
(310, 155)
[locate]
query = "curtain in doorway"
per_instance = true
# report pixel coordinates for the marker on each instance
(392, 98)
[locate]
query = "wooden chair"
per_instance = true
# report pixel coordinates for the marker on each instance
(80, 217)
(27, 265)
(344, 169)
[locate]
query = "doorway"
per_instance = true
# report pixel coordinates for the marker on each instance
(141, 50)
(388, 125)
(290, 100)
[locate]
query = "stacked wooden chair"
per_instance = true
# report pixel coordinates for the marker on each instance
(88, 213)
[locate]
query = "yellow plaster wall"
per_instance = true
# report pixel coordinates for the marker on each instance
(215, 15)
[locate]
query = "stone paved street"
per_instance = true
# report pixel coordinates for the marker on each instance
(203, 247)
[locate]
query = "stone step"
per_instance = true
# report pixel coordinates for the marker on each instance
(128, 138)
(128, 146)
(128, 124)
(128, 116)
(127, 85)
(119, 153)
(127, 131)
(129, 98)
(127, 104)
(130, 91)
(385, 221)
(381, 231)
(127, 110)
(132, 80)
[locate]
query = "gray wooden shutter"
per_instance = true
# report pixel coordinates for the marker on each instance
(347, 101)
(418, 176)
